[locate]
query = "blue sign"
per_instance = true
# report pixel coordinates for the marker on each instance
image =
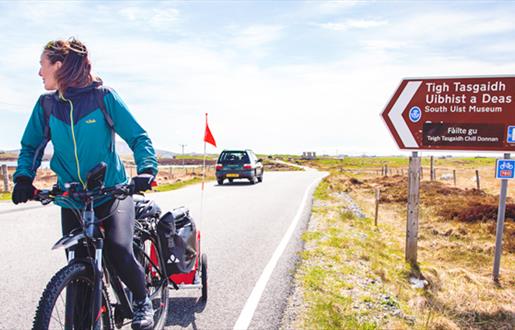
(505, 169)
(511, 134)
(415, 114)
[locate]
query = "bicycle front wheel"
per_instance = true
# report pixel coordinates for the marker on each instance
(67, 301)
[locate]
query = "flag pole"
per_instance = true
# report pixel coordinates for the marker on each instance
(204, 162)
(203, 181)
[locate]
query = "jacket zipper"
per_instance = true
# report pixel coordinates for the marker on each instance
(74, 141)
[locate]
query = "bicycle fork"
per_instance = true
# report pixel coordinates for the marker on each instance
(93, 233)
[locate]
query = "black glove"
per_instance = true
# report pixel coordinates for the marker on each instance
(23, 190)
(142, 182)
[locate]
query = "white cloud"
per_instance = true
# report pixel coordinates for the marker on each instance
(383, 44)
(442, 26)
(305, 107)
(130, 13)
(149, 15)
(256, 35)
(164, 17)
(331, 7)
(352, 24)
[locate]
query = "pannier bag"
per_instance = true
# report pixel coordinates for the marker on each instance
(177, 235)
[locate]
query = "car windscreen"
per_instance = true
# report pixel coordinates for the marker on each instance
(234, 157)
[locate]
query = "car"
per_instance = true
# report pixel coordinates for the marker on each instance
(239, 164)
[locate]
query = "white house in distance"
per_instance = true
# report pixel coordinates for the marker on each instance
(309, 155)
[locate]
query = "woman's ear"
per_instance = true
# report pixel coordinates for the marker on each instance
(58, 65)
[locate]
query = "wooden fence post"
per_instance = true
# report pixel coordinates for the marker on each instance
(377, 206)
(431, 164)
(170, 173)
(5, 173)
(413, 209)
(454, 176)
(386, 170)
(477, 180)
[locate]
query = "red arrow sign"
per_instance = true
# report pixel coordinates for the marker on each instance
(473, 113)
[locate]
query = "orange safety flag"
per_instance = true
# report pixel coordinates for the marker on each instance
(208, 137)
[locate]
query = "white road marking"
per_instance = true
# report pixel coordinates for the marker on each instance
(248, 310)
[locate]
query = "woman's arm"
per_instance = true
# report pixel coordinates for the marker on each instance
(33, 145)
(129, 130)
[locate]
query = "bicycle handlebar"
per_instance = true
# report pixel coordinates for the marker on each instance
(46, 196)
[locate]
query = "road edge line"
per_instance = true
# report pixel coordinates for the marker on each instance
(247, 313)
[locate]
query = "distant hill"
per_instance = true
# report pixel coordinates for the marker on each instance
(121, 147)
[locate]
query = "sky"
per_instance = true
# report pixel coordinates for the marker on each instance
(274, 76)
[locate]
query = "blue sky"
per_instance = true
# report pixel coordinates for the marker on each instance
(274, 76)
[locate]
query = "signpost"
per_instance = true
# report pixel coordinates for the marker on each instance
(453, 114)
(462, 114)
(505, 170)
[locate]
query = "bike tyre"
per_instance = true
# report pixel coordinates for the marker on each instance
(162, 289)
(203, 274)
(68, 274)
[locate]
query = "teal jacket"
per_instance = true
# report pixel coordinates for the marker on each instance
(82, 138)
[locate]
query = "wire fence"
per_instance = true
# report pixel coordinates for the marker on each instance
(167, 174)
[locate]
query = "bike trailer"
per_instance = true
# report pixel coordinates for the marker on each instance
(180, 242)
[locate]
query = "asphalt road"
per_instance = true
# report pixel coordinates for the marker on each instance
(242, 225)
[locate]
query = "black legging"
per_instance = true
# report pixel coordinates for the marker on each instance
(119, 229)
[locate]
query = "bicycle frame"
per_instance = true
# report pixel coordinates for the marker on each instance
(84, 247)
(93, 237)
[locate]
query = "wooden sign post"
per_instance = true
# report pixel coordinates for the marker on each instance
(413, 201)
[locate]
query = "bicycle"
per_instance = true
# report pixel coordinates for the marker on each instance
(78, 295)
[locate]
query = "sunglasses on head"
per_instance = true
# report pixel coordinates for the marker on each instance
(53, 45)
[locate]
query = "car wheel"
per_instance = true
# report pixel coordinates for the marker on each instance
(220, 181)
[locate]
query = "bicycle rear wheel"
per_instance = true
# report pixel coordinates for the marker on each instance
(73, 283)
(156, 280)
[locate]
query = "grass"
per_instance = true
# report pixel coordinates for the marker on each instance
(5, 196)
(396, 162)
(270, 165)
(347, 267)
(180, 184)
(208, 156)
(352, 275)
(8, 156)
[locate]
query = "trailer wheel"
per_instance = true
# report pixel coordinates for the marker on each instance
(203, 270)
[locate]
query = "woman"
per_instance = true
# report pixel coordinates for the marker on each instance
(75, 119)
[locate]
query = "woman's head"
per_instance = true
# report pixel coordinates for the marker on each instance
(65, 63)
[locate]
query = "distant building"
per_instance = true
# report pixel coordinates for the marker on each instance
(309, 155)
